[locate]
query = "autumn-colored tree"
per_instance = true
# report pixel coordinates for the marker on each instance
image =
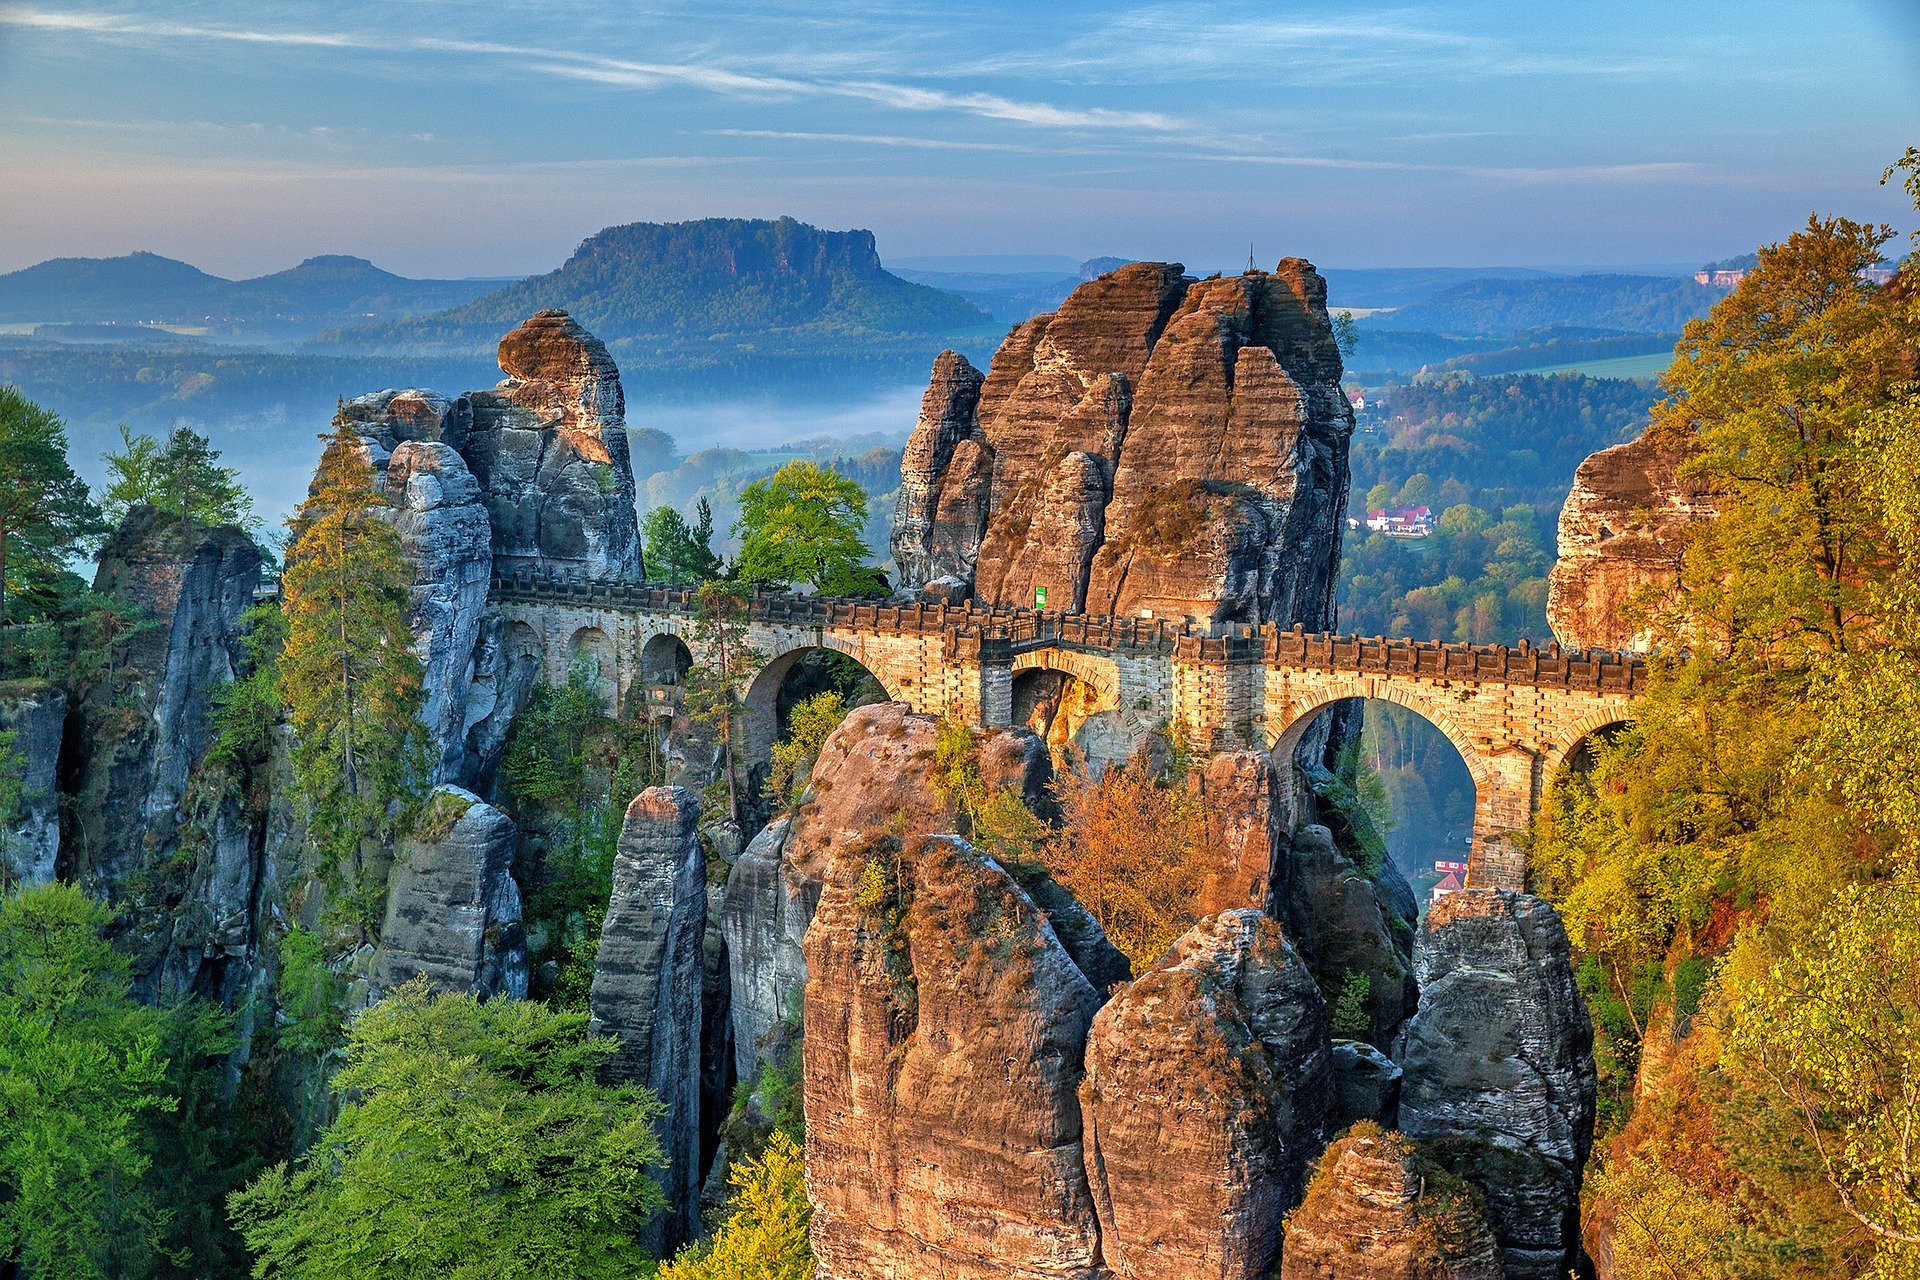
(347, 670)
(1134, 852)
(764, 1236)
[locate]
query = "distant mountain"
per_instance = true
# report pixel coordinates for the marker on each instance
(700, 290)
(1013, 296)
(145, 288)
(1368, 287)
(1621, 303)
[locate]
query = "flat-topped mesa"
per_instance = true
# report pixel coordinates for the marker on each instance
(547, 446)
(1159, 446)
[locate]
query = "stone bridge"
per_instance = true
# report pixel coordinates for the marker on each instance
(1515, 713)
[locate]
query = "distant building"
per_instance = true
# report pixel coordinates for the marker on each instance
(1405, 522)
(1728, 277)
(1358, 400)
(1453, 878)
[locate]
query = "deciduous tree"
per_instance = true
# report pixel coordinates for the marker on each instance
(804, 524)
(474, 1141)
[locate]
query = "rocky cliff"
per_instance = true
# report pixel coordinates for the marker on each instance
(647, 982)
(1159, 445)
(1499, 1069)
(30, 835)
(1622, 531)
(1377, 1211)
(453, 909)
(1207, 1093)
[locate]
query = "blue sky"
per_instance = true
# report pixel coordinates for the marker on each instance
(440, 137)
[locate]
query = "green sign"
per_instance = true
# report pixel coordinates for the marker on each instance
(1039, 597)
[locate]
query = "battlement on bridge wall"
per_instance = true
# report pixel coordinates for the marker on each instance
(1595, 671)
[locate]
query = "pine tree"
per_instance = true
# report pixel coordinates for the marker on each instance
(183, 478)
(713, 684)
(348, 672)
(46, 513)
(676, 551)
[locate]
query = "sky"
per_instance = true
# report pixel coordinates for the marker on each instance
(446, 138)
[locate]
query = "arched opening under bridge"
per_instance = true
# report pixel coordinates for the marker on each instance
(1071, 700)
(591, 650)
(791, 679)
(1393, 785)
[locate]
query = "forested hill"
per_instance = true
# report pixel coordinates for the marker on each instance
(779, 287)
(1623, 303)
(145, 288)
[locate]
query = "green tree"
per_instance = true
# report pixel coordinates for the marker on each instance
(804, 524)
(46, 514)
(347, 670)
(764, 1236)
(676, 551)
(713, 698)
(183, 478)
(474, 1141)
(82, 1076)
(807, 729)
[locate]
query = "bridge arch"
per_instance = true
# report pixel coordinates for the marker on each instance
(593, 646)
(763, 698)
(1073, 700)
(664, 659)
(1578, 735)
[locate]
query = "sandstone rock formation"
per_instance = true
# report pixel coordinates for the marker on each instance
(1158, 444)
(874, 774)
(445, 533)
(549, 445)
(1346, 922)
(1375, 1211)
(30, 842)
(945, 1027)
(147, 727)
(1499, 1068)
(1366, 1084)
(1621, 534)
(453, 909)
(1207, 1091)
(1246, 837)
(647, 983)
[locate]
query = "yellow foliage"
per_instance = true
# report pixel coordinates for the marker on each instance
(765, 1234)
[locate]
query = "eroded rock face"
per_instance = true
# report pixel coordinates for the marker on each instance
(1246, 841)
(1157, 444)
(30, 844)
(1347, 922)
(1622, 531)
(1208, 1089)
(1375, 1213)
(453, 909)
(874, 774)
(447, 539)
(945, 1028)
(1499, 1068)
(647, 983)
(547, 449)
(141, 740)
(549, 446)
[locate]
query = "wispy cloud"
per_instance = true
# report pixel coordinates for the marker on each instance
(870, 139)
(620, 72)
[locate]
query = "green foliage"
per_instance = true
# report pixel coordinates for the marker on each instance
(571, 770)
(83, 1074)
(46, 514)
(473, 1140)
(676, 551)
(804, 525)
(1355, 797)
(1474, 580)
(310, 994)
(13, 789)
(1349, 1018)
(807, 730)
(348, 673)
(765, 1234)
(712, 698)
(247, 709)
(182, 478)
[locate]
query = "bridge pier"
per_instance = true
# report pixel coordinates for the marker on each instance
(1507, 787)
